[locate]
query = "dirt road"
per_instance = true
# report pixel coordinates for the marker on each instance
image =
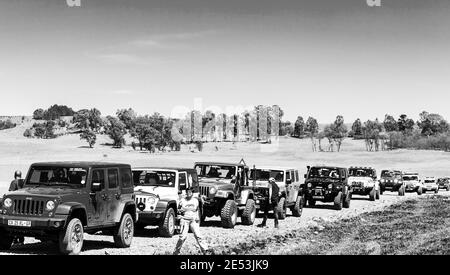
(147, 242)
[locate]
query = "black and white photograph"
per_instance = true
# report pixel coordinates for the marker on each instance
(237, 128)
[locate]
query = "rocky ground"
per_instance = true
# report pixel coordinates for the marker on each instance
(240, 240)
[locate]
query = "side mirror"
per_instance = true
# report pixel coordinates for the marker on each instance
(96, 187)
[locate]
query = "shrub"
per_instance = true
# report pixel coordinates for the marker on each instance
(7, 125)
(89, 136)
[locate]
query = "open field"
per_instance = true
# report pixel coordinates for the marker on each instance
(17, 152)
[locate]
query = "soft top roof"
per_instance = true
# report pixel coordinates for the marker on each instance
(220, 163)
(165, 168)
(82, 164)
(328, 167)
(274, 168)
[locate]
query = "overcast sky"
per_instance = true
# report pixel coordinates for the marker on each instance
(319, 58)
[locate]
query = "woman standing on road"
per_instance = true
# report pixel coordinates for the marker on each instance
(188, 208)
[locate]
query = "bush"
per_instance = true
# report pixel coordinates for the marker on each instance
(44, 130)
(6, 124)
(89, 136)
(28, 133)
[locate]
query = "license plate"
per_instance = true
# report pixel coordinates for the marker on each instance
(319, 197)
(19, 223)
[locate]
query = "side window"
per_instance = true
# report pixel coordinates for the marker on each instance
(98, 176)
(125, 177)
(292, 176)
(182, 181)
(288, 175)
(297, 178)
(113, 178)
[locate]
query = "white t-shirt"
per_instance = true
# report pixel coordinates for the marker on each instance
(190, 208)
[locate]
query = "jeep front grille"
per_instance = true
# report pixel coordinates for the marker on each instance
(204, 190)
(28, 207)
(141, 200)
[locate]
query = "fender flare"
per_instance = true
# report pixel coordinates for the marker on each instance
(66, 209)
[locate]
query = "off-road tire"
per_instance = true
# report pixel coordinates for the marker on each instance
(228, 214)
(338, 201)
(167, 228)
(348, 199)
(378, 194)
(372, 194)
(124, 234)
(401, 191)
(297, 209)
(71, 238)
(249, 214)
(282, 209)
(5, 241)
(419, 191)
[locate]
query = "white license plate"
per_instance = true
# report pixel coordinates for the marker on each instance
(19, 223)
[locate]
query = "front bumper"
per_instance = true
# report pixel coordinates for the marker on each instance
(321, 194)
(361, 190)
(39, 225)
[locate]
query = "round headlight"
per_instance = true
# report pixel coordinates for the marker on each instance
(213, 191)
(7, 203)
(309, 185)
(50, 205)
(152, 200)
(396, 181)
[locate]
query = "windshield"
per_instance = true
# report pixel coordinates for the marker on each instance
(60, 176)
(360, 173)
(155, 178)
(408, 178)
(265, 175)
(316, 172)
(430, 181)
(215, 171)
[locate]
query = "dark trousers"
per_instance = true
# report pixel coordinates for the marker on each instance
(272, 204)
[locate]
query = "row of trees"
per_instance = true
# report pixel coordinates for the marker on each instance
(53, 112)
(403, 132)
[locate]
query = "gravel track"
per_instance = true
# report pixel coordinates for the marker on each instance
(223, 241)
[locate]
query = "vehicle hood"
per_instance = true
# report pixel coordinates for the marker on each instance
(161, 191)
(45, 192)
(219, 185)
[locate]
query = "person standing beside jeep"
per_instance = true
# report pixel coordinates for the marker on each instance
(17, 183)
(189, 210)
(272, 202)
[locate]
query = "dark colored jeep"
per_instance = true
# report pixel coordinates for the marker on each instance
(158, 194)
(226, 193)
(392, 180)
(328, 184)
(444, 183)
(63, 200)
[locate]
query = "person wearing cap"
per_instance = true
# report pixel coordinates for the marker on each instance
(188, 208)
(271, 203)
(17, 183)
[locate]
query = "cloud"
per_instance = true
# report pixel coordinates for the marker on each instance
(137, 52)
(123, 92)
(121, 58)
(169, 40)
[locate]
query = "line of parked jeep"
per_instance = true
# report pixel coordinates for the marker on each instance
(61, 201)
